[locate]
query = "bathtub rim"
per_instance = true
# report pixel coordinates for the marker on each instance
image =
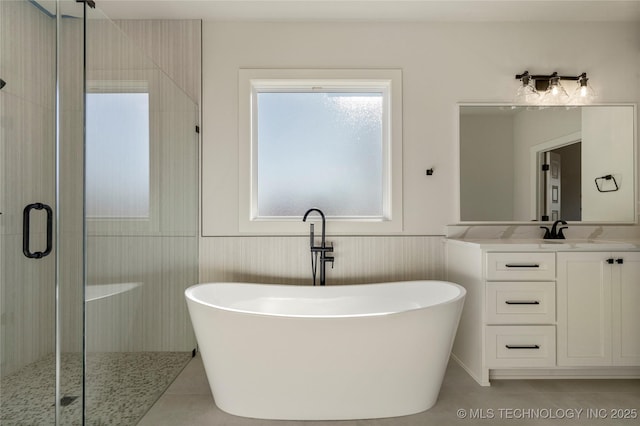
(105, 291)
(190, 290)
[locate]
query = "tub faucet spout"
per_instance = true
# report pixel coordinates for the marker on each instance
(322, 249)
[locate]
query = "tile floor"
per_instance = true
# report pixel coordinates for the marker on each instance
(188, 401)
(121, 387)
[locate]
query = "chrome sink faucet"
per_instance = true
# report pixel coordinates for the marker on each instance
(554, 233)
(322, 249)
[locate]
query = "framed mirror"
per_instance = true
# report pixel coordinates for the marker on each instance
(543, 163)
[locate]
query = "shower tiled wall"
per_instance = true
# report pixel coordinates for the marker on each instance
(164, 266)
(27, 121)
(173, 45)
(161, 255)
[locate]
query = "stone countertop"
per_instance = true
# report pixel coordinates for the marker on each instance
(571, 244)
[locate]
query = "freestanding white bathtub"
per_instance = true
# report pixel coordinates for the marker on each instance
(325, 353)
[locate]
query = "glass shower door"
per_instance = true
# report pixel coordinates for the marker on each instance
(141, 221)
(40, 258)
(92, 270)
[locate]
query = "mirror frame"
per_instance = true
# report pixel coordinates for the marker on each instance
(457, 184)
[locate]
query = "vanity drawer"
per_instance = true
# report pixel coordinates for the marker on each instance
(520, 302)
(531, 266)
(520, 346)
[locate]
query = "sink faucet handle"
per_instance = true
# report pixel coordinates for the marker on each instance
(560, 234)
(554, 228)
(547, 234)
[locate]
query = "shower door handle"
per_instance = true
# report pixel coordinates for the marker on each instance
(26, 232)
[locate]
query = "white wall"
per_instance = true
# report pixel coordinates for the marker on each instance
(442, 64)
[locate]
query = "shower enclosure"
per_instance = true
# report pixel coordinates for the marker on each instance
(98, 219)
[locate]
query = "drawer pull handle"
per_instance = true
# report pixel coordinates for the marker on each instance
(522, 302)
(522, 346)
(522, 265)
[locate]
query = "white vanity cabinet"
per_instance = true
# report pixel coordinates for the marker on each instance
(544, 310)
(598, 308)
(509, 317)
(519, 309)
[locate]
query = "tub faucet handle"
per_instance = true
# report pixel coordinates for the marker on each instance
(329, 258)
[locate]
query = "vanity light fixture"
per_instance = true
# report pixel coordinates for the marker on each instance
(547, 89)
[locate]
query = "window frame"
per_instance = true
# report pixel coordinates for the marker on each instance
(387, 81)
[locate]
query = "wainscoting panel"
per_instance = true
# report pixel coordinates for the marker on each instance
(286, 260)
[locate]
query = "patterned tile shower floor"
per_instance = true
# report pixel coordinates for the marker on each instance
(121, 387)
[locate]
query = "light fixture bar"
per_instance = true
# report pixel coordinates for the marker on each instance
(549, 76)
(542, 80)
(546, 89)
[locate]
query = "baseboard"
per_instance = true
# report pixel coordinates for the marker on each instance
(567, 373)
(469, 371)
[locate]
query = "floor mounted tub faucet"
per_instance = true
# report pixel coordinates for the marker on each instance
(322, 248)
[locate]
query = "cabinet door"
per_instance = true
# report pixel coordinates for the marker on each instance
(626, 309)
(584, 309)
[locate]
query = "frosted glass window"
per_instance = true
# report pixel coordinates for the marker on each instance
(320, 149)
(117, 155)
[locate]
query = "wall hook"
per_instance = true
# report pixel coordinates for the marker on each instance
(430, 171)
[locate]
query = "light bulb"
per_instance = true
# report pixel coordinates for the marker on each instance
(555, 94)
(584, 92)
(527, 92)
